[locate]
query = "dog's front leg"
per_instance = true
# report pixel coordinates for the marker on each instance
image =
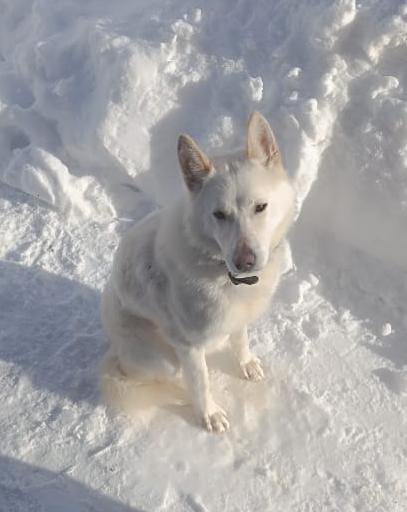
(196, 378)
(249, 363)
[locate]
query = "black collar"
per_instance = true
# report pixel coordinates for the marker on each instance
(243, 280)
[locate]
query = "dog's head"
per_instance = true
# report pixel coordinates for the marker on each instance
(240, 203)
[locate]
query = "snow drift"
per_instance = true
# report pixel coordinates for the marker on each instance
(93, 95)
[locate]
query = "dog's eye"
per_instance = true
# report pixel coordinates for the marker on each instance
(260, 207)
(218, 214)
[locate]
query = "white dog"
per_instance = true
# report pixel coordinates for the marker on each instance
(201, 271)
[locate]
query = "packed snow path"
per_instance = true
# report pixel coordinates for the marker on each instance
(92, 97)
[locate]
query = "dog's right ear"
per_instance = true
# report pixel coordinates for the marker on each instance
(194, 163)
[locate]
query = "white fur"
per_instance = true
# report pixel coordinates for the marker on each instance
(169, 296)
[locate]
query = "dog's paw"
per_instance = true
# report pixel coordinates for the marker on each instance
(252, 370)
(216, 421)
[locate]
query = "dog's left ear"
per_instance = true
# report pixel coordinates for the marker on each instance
(261, 142)
(194, 163)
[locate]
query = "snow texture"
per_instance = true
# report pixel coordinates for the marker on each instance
(92, 98)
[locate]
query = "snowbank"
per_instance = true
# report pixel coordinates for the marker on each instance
(101, 90)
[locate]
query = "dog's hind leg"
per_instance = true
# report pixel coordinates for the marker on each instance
(142, 354)
(137, 343)
(140, 372)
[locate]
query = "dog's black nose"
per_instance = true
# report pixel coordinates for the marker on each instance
(245, 259)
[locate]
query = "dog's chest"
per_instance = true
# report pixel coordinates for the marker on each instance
(245, 303)
(214, 310)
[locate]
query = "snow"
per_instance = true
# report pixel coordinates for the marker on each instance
(92, 97)
(386, 329)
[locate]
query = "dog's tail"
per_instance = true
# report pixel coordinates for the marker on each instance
(131, 395)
